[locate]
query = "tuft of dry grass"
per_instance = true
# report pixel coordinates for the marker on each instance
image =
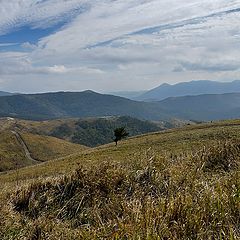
(223, 157)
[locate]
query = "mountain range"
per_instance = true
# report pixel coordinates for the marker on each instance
(203, 107)
(76, 104)
(91, 104)
(189, 88)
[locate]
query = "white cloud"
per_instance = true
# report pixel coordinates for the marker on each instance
(28, 46)
(109, 20)
(21, 65)
(7, 44)
(37, 13)
(122, 45)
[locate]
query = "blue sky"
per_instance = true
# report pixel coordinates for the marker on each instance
(13, 40)
(52, 45)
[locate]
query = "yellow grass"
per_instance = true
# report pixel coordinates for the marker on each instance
(178, 184)
(42, 148)
(46, 148)
(11, 153)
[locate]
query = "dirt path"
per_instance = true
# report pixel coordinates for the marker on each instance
(25, 148)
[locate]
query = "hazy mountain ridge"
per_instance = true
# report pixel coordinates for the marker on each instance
(2, 94)
(204, 107)
(133, 95)
(91, 104)
(190, 88)
(76, 104)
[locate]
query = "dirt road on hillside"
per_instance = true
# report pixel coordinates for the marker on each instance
(25, 148)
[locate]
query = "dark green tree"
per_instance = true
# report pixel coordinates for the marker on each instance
(119, 134)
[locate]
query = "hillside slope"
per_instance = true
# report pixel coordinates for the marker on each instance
(91, 131)
(19, 150)
(45, 148)
(177, 184)
(171, 142)
(12, 155)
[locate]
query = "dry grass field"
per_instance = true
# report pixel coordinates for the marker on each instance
(12, 155)
(41, 148)
(177, 184)
(47, 148)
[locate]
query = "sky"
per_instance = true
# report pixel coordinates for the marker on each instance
(116, 45)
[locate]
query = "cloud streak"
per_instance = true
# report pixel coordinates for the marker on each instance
(37, 13)
(124, 45)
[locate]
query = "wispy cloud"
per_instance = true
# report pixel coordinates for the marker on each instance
(8, 44)
(20, 64)
(210, 66)
(37, 13)
(124, 44)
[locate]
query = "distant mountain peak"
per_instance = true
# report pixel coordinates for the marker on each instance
(89, 91)
(165, 85)
(193, 88)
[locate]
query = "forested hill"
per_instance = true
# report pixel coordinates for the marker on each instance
(91, 104)
(76, 104)
(98, 131)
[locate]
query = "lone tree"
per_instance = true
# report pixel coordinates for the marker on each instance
(119, 134)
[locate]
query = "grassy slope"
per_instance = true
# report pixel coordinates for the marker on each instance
(11, 153)
(170, 142)
(44, 127)
(167, 185)
(45, 148)
(42, 148)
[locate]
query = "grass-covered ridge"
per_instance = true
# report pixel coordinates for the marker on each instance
(41, 148)
(178, 184)
(20, 148)
(45, 148)
(93, 132)
(12, 155)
